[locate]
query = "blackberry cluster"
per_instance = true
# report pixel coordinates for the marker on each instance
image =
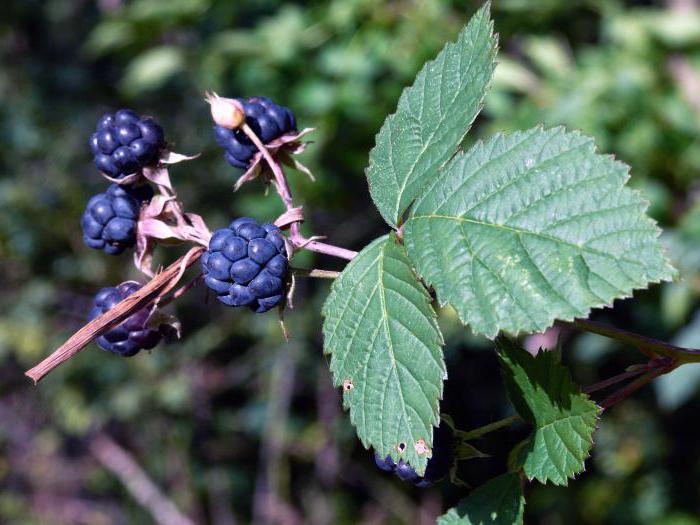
(269, 122)
(246, 264)
(438, 465)
(109, 219)
(124, 143)
(133, 335)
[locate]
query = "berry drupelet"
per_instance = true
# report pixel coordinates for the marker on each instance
(109, 220)
(133, 335)
(269, 122)
(124, 143)
(438, 465)
(246, 264)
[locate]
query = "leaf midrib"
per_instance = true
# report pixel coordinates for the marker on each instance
(520, 231)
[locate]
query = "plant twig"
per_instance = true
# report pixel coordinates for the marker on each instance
(635, 385)
(118, 461)
(285, 193)
(151, 291)
(320, 274)
(491, 427)
(643, 343)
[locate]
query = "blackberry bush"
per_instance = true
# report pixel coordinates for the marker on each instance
(125, 143)
(131, 336)
(109, 220)
(519, 232)
(246, 265)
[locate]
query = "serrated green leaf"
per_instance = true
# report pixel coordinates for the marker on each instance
(431, 119)
(499, 501)
(531, 227)
(543, 394)
(385, 346)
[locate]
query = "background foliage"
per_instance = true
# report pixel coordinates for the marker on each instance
(232, 423)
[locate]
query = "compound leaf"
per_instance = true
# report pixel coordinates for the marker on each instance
(432, 117)
(544, 395)
(531, 227)
(385, 345)
(499, 501)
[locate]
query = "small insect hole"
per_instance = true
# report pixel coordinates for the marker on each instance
(421, 448)
(401, 447)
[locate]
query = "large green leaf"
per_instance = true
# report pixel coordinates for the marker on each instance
(385, 346)
(432, 117)
(499, 501)
(531, 227)
(543, 394)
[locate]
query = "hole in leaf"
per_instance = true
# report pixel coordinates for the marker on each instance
(347, 385)
(421, 448)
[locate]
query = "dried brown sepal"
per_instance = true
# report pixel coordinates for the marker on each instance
(164, 221)
(282, 147)
(150, 292)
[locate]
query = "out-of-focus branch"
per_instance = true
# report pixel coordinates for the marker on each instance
(269, 505)
(118, 461)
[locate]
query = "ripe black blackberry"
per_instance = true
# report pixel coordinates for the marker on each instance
(133, 335)
(246, 264)
(125, 143)
(269, 122)
(438, 465)
(109, 220)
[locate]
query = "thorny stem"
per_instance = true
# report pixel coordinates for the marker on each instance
(282, 187)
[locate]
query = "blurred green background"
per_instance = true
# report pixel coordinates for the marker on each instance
(232, 424)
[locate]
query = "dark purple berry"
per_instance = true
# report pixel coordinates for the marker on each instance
(109, 219)
(269, 122)
(246, 264)
(125, 143)
(133, 335)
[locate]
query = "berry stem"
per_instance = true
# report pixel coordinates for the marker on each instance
(285, 193)
(322, 247)
(320, 274)
(113, 317)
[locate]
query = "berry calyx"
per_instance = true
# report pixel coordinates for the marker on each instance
(125, 143)
(269, 122)
(132, 335)
(109, 220)
(438, 465)
(246, 265)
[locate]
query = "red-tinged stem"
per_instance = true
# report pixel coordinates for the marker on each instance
(282, 185)
(635, 385)
(633, 371)
(605, 383)
(322, 247)
(285, 193)
(647, 345)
